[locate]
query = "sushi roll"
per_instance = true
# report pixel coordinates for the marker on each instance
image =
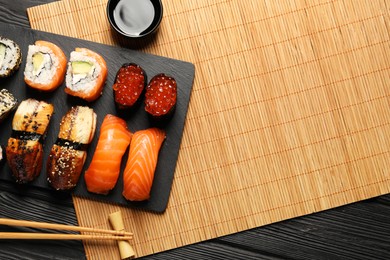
(160, 97)
(10, 57)
(68, 154)
(45, 66)
(24, 150)
(7, 103)
(129, 85)
(86, 74)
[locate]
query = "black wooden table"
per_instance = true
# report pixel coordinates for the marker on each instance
(357, 231)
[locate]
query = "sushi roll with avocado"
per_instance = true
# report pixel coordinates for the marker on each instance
(10, 57)
(45, 66)
(7, 103)
(86, 74)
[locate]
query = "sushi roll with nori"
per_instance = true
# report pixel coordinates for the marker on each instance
(86, 74)
(7, 103)
(10, 57)
(45, 66)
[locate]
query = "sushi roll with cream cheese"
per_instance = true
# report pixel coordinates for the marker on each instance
(45, 66)
(10, 57)
(86, 74)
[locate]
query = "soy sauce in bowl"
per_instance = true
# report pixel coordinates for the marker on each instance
(134, 18)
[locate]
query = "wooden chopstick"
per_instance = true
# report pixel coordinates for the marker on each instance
(25, 223)
(46, 236)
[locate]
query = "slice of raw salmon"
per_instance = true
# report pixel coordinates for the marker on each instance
(103, 172)
(141, 164)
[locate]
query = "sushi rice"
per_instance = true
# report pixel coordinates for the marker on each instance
(82, 82)
(44, 73)
(10, 57)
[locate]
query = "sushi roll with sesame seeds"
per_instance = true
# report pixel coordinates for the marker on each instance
(10, 57)
(7, 103)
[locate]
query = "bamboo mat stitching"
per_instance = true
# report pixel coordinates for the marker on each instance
(285, 178)
(203, 34)
(300, 146)
(192, 10)
(291, 39)
(87, 35)
(32, 20)
(104, 4)
(184, 147)
(290, 67)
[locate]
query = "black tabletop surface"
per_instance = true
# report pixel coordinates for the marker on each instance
(356, 231)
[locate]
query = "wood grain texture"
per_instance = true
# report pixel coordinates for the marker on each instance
(297, 105)
(356, 231)
(37, 205)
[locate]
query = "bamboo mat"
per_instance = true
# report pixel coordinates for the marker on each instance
(289, 114)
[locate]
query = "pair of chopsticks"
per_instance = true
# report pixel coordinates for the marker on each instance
(104, 234)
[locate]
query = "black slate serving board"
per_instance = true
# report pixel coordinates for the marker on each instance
(182, 71)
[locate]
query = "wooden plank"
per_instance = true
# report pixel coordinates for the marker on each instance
(296, 108)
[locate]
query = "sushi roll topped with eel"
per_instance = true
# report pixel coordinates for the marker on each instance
(45, 66)
(10, 57)
(86, 74)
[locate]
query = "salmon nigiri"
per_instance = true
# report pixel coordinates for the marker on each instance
(103, 172)
(45, 66)
(141, 163)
